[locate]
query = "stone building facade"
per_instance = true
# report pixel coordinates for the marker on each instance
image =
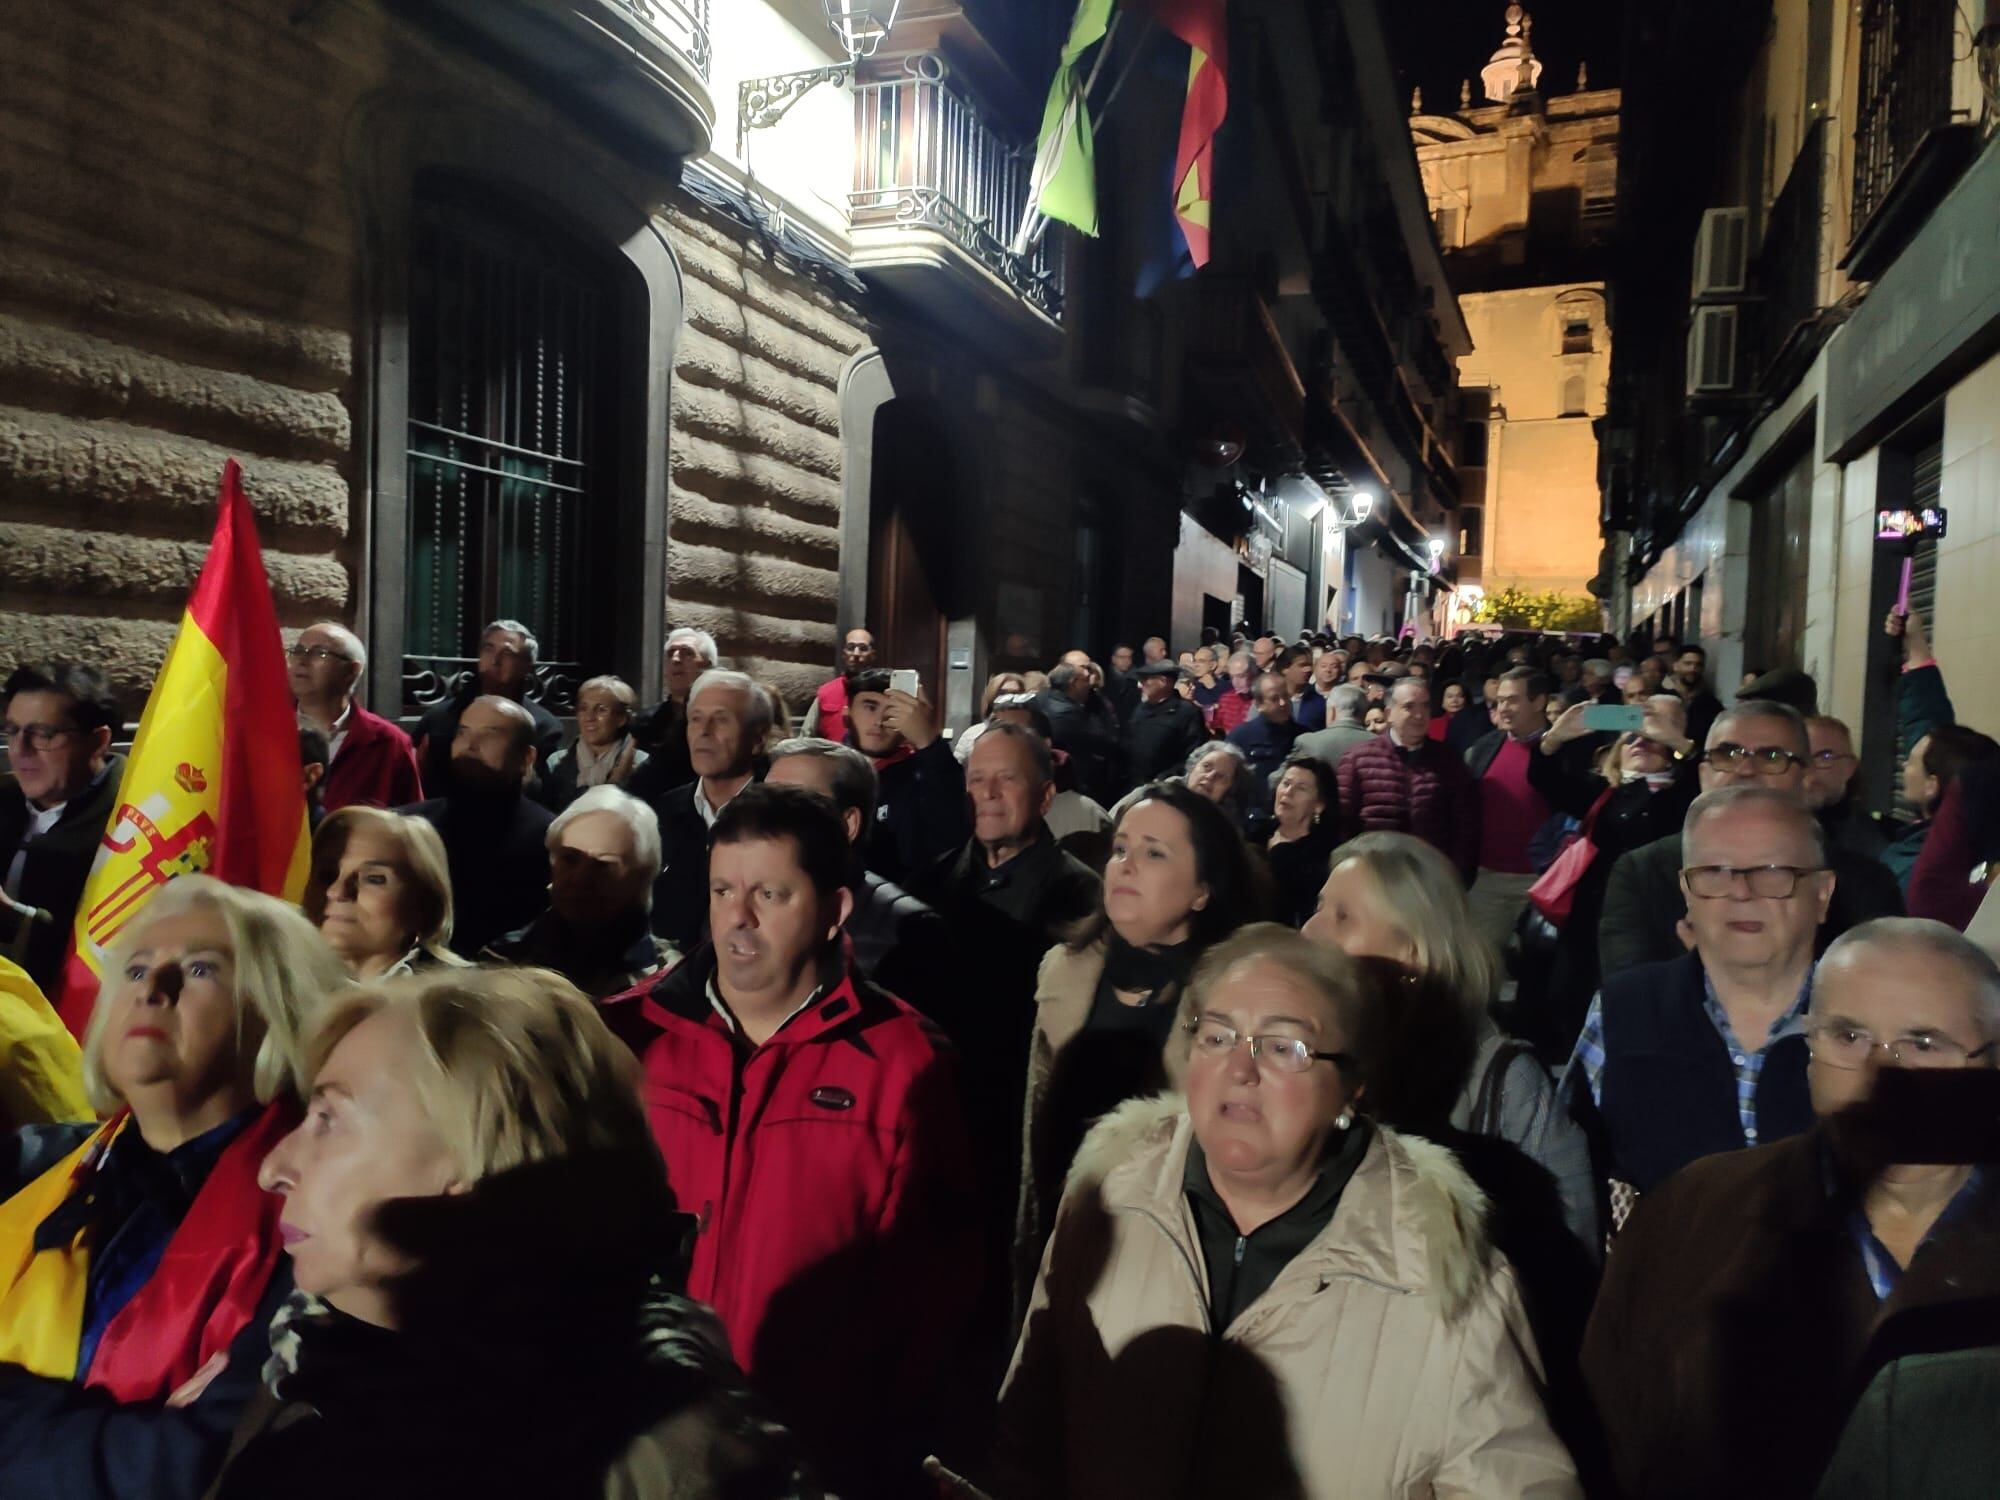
(209, 217)
(1523, 191)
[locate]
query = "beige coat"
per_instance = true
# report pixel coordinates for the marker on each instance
(1390, 1360)
(1065, 989)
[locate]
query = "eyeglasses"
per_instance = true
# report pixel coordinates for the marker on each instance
(857, 648)
(1286, 1054)
(314, 653)
(1766, 760)
(1775, 882)
(1826, 758)
(1839, 1045)
(35, 736)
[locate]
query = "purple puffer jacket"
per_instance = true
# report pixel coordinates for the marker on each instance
(1427, 792)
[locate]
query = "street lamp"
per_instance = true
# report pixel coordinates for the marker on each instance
(1364, 502)
(861, 26)
(1436, 545)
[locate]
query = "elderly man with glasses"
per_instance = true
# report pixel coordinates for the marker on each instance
(1755, 743)
(1703, 1053)
(1749, 1298)
(371, 761)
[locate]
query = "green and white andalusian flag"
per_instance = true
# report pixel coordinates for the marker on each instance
(1064, 184)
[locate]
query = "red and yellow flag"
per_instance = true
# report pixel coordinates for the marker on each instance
(1204, 27)
(213, 781)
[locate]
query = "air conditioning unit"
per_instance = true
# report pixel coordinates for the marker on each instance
(1711, 361)
(1722, 252)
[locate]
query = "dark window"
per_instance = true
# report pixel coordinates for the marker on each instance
(1576, 336)
(1472, 531)
(1780, 525)
(511, 511)
(1472, 444)
(1903, 91)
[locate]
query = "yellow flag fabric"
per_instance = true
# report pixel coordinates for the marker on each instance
(42, 1294)
(41, 1066)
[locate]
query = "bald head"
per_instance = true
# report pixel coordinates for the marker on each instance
(1731, 825)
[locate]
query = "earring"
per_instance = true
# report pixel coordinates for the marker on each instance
(1345, 1120)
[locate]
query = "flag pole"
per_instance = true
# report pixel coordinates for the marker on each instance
(1032, 221)
(1031, 233)
(1033, 224)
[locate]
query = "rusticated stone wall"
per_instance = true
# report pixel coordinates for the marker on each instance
(182, 264)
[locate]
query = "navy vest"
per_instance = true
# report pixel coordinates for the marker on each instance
(1669, 1087)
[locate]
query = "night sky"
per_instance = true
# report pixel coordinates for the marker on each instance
(1438, 42)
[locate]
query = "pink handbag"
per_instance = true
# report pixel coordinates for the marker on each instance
(1554, 891)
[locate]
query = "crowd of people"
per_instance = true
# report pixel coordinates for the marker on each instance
(1344, 1067)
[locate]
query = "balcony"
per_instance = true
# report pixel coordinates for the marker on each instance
(641, 65)
(938, 195)
(1787, 273)
(1910, 142)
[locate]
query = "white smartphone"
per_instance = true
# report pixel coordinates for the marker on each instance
(903, 680)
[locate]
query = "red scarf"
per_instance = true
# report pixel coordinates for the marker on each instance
(210, 1279)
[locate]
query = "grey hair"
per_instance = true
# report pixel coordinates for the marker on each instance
(757, 711)
(1348, 701)
(855, 784)
(1038, 749)
(347, 640)
(1245, 657)
(1062, 674)
(1402, 682)
(1599, 667)
(1764, 708)
(704, 643)
(1920, 935)
(637, 816)
(1738, 799)
(514, 627)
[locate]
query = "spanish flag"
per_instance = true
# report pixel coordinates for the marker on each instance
(1203, 25)
(213, 782)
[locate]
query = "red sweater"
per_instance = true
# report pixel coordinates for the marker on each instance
(376, 766)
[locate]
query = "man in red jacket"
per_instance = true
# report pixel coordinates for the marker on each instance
(1406, 782)
(811, 1124)
(373, 763)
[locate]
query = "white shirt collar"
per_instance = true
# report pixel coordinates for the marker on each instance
(721, 1008)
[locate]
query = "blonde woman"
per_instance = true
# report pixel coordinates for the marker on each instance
(139, 1263)
(484, 1246)
(379, 892)
(604, 752)
(1391, 896)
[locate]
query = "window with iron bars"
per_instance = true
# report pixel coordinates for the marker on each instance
(1904, 91)
(510, 401)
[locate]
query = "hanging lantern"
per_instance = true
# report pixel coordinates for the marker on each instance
(861, 24)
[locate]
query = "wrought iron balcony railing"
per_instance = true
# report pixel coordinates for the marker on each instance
(1904, 91)
(683, 23)
(925, 156)
(1790, 261)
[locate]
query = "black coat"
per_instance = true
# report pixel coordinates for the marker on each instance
(57, 866)
(680, 895)
(499, 862)
(437, 727)
(899, 944)
(1159, 738)
(542, 1351)
(920, 812)
(661, 731)
(1088, 734)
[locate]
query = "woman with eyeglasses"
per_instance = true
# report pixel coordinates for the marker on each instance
(1253, 1291)
(1626, 794)
(1750, 1296)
